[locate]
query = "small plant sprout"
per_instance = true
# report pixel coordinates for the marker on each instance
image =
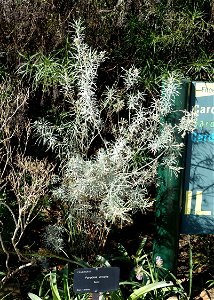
(53, 238)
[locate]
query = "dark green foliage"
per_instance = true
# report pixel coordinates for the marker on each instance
(157, 36)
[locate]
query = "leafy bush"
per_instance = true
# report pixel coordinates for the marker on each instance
(101, 182)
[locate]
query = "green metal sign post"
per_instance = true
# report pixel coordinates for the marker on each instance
(168, 201)
(190, 196)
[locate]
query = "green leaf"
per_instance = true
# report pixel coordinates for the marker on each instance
(134, 283)
(103, 261)
(34, 297)
(53, 284)
(65, 283)
(140, 249)
(117, 295)
(2, 274)
(148, 288)
(123, 251)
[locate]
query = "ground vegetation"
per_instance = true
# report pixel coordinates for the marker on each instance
(82, 132)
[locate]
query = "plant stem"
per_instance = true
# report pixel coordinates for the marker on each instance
(190, 267)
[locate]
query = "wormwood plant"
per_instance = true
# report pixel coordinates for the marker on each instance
(109, 148)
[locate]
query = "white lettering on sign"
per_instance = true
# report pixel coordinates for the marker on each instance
(203, 89)
(207, 90)
(204, 109)
(83, 272)
(198, 204)
(203, 124)
(90, 277)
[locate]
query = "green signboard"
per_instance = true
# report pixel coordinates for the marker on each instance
(167, 212)
(198, 198)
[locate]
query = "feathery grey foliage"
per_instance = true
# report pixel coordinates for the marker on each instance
(53, 237)
(113, 183)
